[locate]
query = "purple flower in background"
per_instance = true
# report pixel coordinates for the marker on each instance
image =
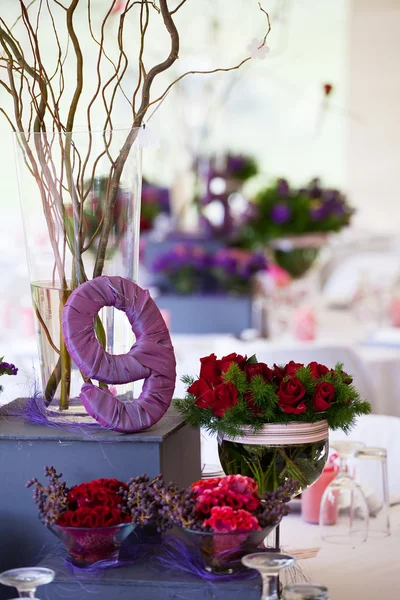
(236, 163)
(280, 213)
(7, 368)
(239, 263)
(282, 187)
(318, 213)
(181, 257)
(315, 190)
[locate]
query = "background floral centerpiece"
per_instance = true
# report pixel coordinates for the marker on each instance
(272, 422)
(192, 269)
(293, 222)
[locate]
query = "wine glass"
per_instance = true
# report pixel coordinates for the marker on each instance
(305, 591)
(344, 513)
(269, 565)
(26, 580)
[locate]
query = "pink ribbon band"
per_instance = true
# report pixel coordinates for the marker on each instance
(278, 434)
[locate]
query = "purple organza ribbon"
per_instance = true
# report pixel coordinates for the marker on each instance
(170, 554)
(177, 556)
(151, 357)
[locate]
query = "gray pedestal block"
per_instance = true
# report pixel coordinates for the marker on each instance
(143, 580)
(169, 447)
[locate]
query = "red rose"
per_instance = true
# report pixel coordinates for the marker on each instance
(317, 370)
(198, 389)
(253, 369)
(324, 394)
(225, 362)
(210, 370)
(291, 368)
(218, 399)
(224, 397)
(290, 396)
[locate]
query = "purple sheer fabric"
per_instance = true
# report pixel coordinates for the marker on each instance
(151, 357)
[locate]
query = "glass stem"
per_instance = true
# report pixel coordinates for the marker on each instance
(270, 587)
(30, 594)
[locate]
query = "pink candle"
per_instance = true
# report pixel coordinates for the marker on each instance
(311, 498)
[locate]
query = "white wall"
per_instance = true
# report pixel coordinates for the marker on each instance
(373, 134)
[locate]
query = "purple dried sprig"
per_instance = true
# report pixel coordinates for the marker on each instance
(51, 500)
(151, 501)
(274, 504)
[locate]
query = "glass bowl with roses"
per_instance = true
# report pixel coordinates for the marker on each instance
(272, 422)
(92, 519)
(223, 519)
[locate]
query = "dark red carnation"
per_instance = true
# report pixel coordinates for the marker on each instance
(291, 394)
(65, 519)
(317, 370)
(225, 519)
(253, 369)
(323, 396)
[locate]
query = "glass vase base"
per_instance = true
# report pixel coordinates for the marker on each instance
(74, 414)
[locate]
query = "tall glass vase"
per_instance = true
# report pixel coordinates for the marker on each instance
(80, 197)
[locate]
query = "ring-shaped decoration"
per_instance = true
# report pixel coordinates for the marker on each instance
(151, 357)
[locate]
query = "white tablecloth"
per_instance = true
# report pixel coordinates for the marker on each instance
(369, 571)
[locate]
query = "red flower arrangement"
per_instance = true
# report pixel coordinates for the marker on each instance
(94, 504)
(235, 390)
(231, 504)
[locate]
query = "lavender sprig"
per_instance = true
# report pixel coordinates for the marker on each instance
(51, 500)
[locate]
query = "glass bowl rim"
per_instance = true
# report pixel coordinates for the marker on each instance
(224, 533)
(70, 528)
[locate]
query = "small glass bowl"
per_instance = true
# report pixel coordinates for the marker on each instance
(222, 552)
(88, 545)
